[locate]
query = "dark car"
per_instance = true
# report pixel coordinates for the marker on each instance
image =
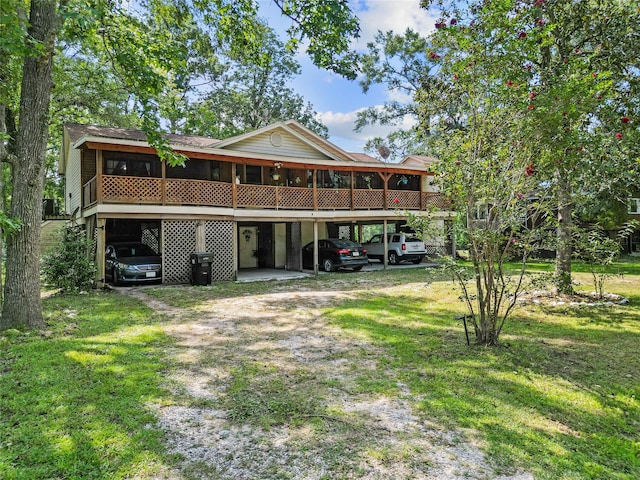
(132, 263)
(334, 253)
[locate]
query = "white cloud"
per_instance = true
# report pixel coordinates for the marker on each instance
(396, 15)
(341, 131)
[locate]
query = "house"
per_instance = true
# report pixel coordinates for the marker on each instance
(253, 200)
(632, 243)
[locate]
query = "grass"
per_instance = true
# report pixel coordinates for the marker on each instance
(74, 401)
(560, 397)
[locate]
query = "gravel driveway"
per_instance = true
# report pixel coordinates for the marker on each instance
(266, 389)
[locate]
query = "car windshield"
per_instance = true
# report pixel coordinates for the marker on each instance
(137, 250)
(413, 239)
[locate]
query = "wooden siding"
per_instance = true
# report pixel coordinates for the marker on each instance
(73, 182)
(291, 146)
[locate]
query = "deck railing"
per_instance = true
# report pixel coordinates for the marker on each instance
(171, 191)
(89, 193)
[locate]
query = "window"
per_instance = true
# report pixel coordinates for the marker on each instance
(253, 174)
(405, 182)
(369, 180)
(634, 206)
(132, 165)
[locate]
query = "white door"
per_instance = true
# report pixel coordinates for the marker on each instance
(247, 247)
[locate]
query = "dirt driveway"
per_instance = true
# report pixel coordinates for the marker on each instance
(267, 389)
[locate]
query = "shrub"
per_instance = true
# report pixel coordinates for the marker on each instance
(70, 266)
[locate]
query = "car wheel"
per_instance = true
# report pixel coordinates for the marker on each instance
(328, 265)
(418, 260)
(393, 258)
(357, 269)
(115, 278)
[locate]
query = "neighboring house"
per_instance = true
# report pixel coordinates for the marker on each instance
(253, 200)
(632, 245)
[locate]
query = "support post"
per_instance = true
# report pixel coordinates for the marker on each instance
(385, 242)
(315, 247)
(100, 247)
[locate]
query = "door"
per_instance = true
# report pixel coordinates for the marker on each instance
(248, 247)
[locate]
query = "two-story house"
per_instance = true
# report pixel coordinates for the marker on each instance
(252, 200)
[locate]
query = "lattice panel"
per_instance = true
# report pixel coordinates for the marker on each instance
(131, 189)
(334, 198)
(92, 233)
(344, 232)
(295, 198)
(256, 196)
(405, 199)
(179, 242)
(435, 250)
(438, 200)
(199, 192)
(219, 241)
(369, 199)
(150, 237)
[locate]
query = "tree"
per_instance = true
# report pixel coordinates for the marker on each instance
(572, 66)
(250, 94)
(143, 48)
(402, 64)
(485, 168)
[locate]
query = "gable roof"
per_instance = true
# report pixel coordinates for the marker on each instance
(364, 158)
(419, 160)
(280, 142)
(298, 136)
(77, 131)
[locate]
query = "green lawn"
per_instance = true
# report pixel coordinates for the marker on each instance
(560, 397)
(74, 401)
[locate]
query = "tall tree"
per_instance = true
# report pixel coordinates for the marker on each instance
(251, 93)
(573, 68)
(400, 62)
(143, 49)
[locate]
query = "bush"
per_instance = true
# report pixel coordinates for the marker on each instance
(70, 267)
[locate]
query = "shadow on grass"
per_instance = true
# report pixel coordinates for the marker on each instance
(75, 403)
(558, 397)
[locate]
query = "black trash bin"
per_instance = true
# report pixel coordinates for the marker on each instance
(201, 268)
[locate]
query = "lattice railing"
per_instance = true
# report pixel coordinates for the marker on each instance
(295, 198)
(368, 199)
(198, 192)
(89, 193)
(263, 196)
(119, 189)
(403, 199)
(437, 200)
(334, 198)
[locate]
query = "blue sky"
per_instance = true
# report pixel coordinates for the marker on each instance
(337, 100)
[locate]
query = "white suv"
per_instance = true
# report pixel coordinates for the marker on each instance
(400, 247)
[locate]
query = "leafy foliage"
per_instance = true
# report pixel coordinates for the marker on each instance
(151, 52)
(248, 94)
(567, 73)
(600, 252)
(70, 267)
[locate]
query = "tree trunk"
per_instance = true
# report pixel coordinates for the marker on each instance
(564, 230)
(22, 305)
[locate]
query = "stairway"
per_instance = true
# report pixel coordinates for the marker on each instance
(50, 235)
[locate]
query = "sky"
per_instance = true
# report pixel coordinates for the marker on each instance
(336, 99)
